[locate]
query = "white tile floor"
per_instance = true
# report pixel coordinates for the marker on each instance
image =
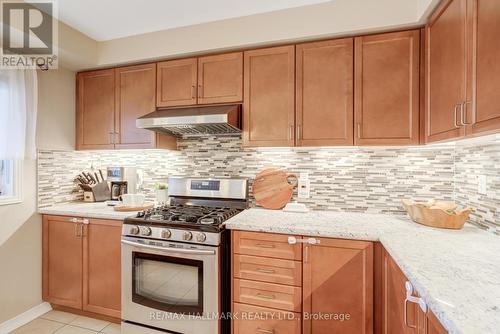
(67, 323)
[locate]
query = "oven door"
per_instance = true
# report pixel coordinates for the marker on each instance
(170, 285)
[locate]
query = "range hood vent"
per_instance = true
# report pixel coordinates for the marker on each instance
(223, 120)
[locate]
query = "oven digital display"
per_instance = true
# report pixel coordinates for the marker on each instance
(205, 185)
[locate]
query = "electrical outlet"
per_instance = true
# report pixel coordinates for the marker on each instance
(304, 186)
(481, 184)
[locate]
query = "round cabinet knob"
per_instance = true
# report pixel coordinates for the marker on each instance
(166, 234)
(134, 230)
(145, 231)
(201, 237)
(187, 236)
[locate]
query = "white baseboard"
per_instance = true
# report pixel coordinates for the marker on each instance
(23, 318)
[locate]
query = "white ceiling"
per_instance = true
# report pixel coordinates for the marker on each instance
(109, 19)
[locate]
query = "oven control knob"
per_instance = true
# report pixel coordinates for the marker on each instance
(165, 234)
(146, 231)
(187, 236)
(201, 237)
(134, 230)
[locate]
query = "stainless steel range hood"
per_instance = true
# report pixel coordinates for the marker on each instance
(194, 121)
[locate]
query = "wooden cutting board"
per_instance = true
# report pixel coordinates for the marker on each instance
(272, 189)
(123, 208)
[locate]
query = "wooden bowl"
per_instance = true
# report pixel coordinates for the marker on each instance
(436, 216)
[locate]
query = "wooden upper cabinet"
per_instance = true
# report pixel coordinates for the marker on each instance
(487, 108)
(386, 89)
(324, 93)
(447, 65)
(338, 279)
(62, 261)
(95, 121)
(176, 82)
(102, 267)
(135, 97)
(269, 97)
(220, 78)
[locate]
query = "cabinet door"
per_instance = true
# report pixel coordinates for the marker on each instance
(269, 99)
(446, 70)
(324, 103)
(431, 325)
(487, 115)
(393, 295)
(101, 267)
(62, 261)
(95, 114)
(220, 78)
(135, 97)
(176, 82)
(386, 89)
(338, 280)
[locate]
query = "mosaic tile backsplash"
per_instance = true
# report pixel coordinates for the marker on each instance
(357, 179)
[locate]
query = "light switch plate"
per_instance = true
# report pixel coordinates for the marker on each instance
(304, 186)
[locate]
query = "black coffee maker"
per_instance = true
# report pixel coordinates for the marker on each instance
(123, 180)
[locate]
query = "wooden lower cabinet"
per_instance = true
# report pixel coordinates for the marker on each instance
(62, 261)
(338, 283)
(322, 288)
(253, 319)
(81, 264)
(393, 295)
(101, 267)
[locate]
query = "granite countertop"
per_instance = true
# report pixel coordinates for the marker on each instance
(457, 273)
(85, 209)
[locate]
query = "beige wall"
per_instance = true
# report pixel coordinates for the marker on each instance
(56, 110)
(20, 225)
(301, 23)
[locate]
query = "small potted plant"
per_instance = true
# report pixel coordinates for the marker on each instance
(161, 193)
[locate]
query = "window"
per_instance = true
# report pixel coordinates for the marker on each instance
(10, 182)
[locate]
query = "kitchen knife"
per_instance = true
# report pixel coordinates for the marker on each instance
(97, 177)
(89, 180)
(102, 176)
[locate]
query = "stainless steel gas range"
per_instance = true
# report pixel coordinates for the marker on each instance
(176, 259)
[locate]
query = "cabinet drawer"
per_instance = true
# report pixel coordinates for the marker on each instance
(266, 244)
(268, 270)
(258, 320)
(277, 296)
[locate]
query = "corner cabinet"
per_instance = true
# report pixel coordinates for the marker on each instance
(269, 97)
(81, 264)
(108, 104)
(338, 281)
(296, 279)
(387, 89)
(462, 71)
(399, 315)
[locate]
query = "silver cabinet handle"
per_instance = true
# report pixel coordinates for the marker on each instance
(290, 133)
(359, 130)
(169, 250)
(265, 271)
(299, 130)
(200, 91)
(116, 138)
(265, 245)
(193, 91)
(463, 113)
(455, 117)
(260, 295)
(265, 331)
(306, 254)
(111, 137)
(310, 241)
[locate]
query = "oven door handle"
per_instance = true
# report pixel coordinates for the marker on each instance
(170, 250)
